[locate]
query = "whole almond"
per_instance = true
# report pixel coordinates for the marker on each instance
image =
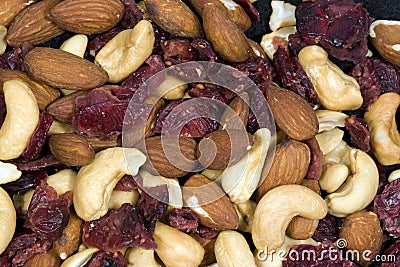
(44, 94)
(99, 144)
(63, 108)
(70, 238)
(292, 113)
(61, 69)
(289, 166)
(33, 25)
(48, 258)
(240, 115)
(71, 149)
(227, 39)
(88, 16)
(218, 211)
(9, 9)
(175, 17)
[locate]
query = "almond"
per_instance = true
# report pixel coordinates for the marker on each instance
(292, 113)
(61, 69)
(44, 94)
(70, 238)
(210, 203)
(9, 9)
(87, 16)
(164, 159)
(240, 115)
(98, 144)
(33, 25)
(63, 108)
(175, 17)
(48, 258)
(289, 166)
(227, 39)
(71, 149)
(208, 245)
(385, 36)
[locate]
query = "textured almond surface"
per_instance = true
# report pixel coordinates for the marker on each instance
(9, 9)
(63, 108)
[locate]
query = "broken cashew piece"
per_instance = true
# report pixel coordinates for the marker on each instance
(329, 140)
(328, 119)
(21, 119)
(283, 15)
(138, 257)
(79, 259)
(127, 51)
(8, 219)
(335, 89)
(75, 45)
(359, 189)
(3, 42)
(240, 180)
(394, 175)
(8, 173)
(381, 120)
(96, 181)
(278, 207)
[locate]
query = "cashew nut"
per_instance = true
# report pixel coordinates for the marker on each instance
(328, 119)
(245, 213)
(172, 88)
(3, 42)
(60, 128)
(329, 140)
(240, 180)
(176, 248)
(96, 181)
(335, 89)
(138, 257)
(381, 120)
(8, 173)
(21, 119)
(277, 208)
(271, 41)
(333, 177)
(359, 189)
(75, 45)
(127, 51)
(231, 250)
(282, 15)
(339, 154)
(8, 219)
(79, 259)
(119, 197)
(394, 175)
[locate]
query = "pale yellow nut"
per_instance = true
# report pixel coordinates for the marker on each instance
(8, 219)
(339, 154)
(3, 42)
(171, 88)
(79, 259)
(277, 208)
(21, 202)
(8, 173)
(329, 119)
(271, 41)
(60, 128)
(96, 181)
(119, 197)
(283, 15)
(333, 177)
(75, 45)
(176, 248)
(240, 180)
(394, 175)
(329, 140)
(139, 257)
(381, 120)
(21, 119)
(245, 213)
(212, 174)
(127, 51)
(359, 189)
(335, 89)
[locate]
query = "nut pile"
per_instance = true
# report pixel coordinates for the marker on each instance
(97, 169)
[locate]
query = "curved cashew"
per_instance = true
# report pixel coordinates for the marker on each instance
(277, 208)
(336, 90)
(79, 259)
(138, 257)
(394, 175)
(381, 120)
(127, 51)
(96, 181)
(328, 119)
(245, 213)
(3, 42)
(119, 197)
(359, 189)
(176, 248)
(329, 140)
(231, 249)
(333, 177)
(8, 173)
(21, 119)
(8, 219)
(339, 154)
(240, 180)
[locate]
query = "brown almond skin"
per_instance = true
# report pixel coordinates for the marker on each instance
(63, 108)
(70, 238)
(61, 69)
(49, 258)
(33, 25)
(98, 144)
(71, 149)
(240, 107)
(87, 16)
(221, 213)
(9, 9)
(208, 245)
(228, 41)
(175, 17)
(386, 37)
(44, 94)
(292, 113)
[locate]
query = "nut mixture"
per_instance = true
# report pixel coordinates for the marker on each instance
(98, 170)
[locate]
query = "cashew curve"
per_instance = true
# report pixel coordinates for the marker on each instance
(138, 257)
(8, 173)
(8, 219)
(328, 119)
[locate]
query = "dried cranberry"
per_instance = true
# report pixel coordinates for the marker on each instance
(100, 41)
(48, 214)
(160, 36)
(127, 183)
(39, 163)
(207, 232)
(14, 59)
(117, 229)
(328, 229)
(359, 135)
(28, 180)
(203, 50)
(133, 14)
(183, 219)
(315, 167)
(392, 251)
(207, 91)
(104, 259)
(387, 207)
(3, 110)
(258, 69)
(177, 51)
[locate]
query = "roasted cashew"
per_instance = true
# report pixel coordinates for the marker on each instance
(328, 119)
(394, 175)
(240, 180)
(127, 51)
(3, 42)
(333, 177)
(171, 88)
(138, 257)
(359, 189)
(335, 89)
(329, 140)
(381, 120)
(245, 213)
(8, 219)
(277, 208)
(79, 259)
(339, 154)
(231, 250)
(176, 248)
(75, 45)
(21, 119)
(119, 197)
(283, 15)
(60, 128)
(8, 173)
(96, 181)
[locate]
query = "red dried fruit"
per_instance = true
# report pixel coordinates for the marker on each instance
(117, 229)
(392, 251)
(207, 91)
(14, 59)
(100, 40)
(48, 213)
(104, 259)
(258, 69)
(177, 51)
(41, 162)
(207, 232)
(183, 219)
(315, 167)
(28, 180)
(133, 14)
(251, 11)
(127, 183)
(387, 207)
(203, 50)
(3, 110)
(328, 229)
(359, 135)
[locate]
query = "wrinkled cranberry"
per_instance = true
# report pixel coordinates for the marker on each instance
(14, 59)
(392, 251)
(104, 259)
(48, 213)
(328, 229)
(183, 219)
(311, 19)
(152, 205)
(160, 36)
(3, 110)
(258, 69)
(100, 40)
(293, 77)
(207, 91)
(117, 229)
(38, 137)
(28, 180)
(203, 50)
(251, 11)
(207, 232)
(387, 207)
(177, 51)
(127, 183)
(37, 164)
(315, 167)
(133, 14)
(359, 135)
